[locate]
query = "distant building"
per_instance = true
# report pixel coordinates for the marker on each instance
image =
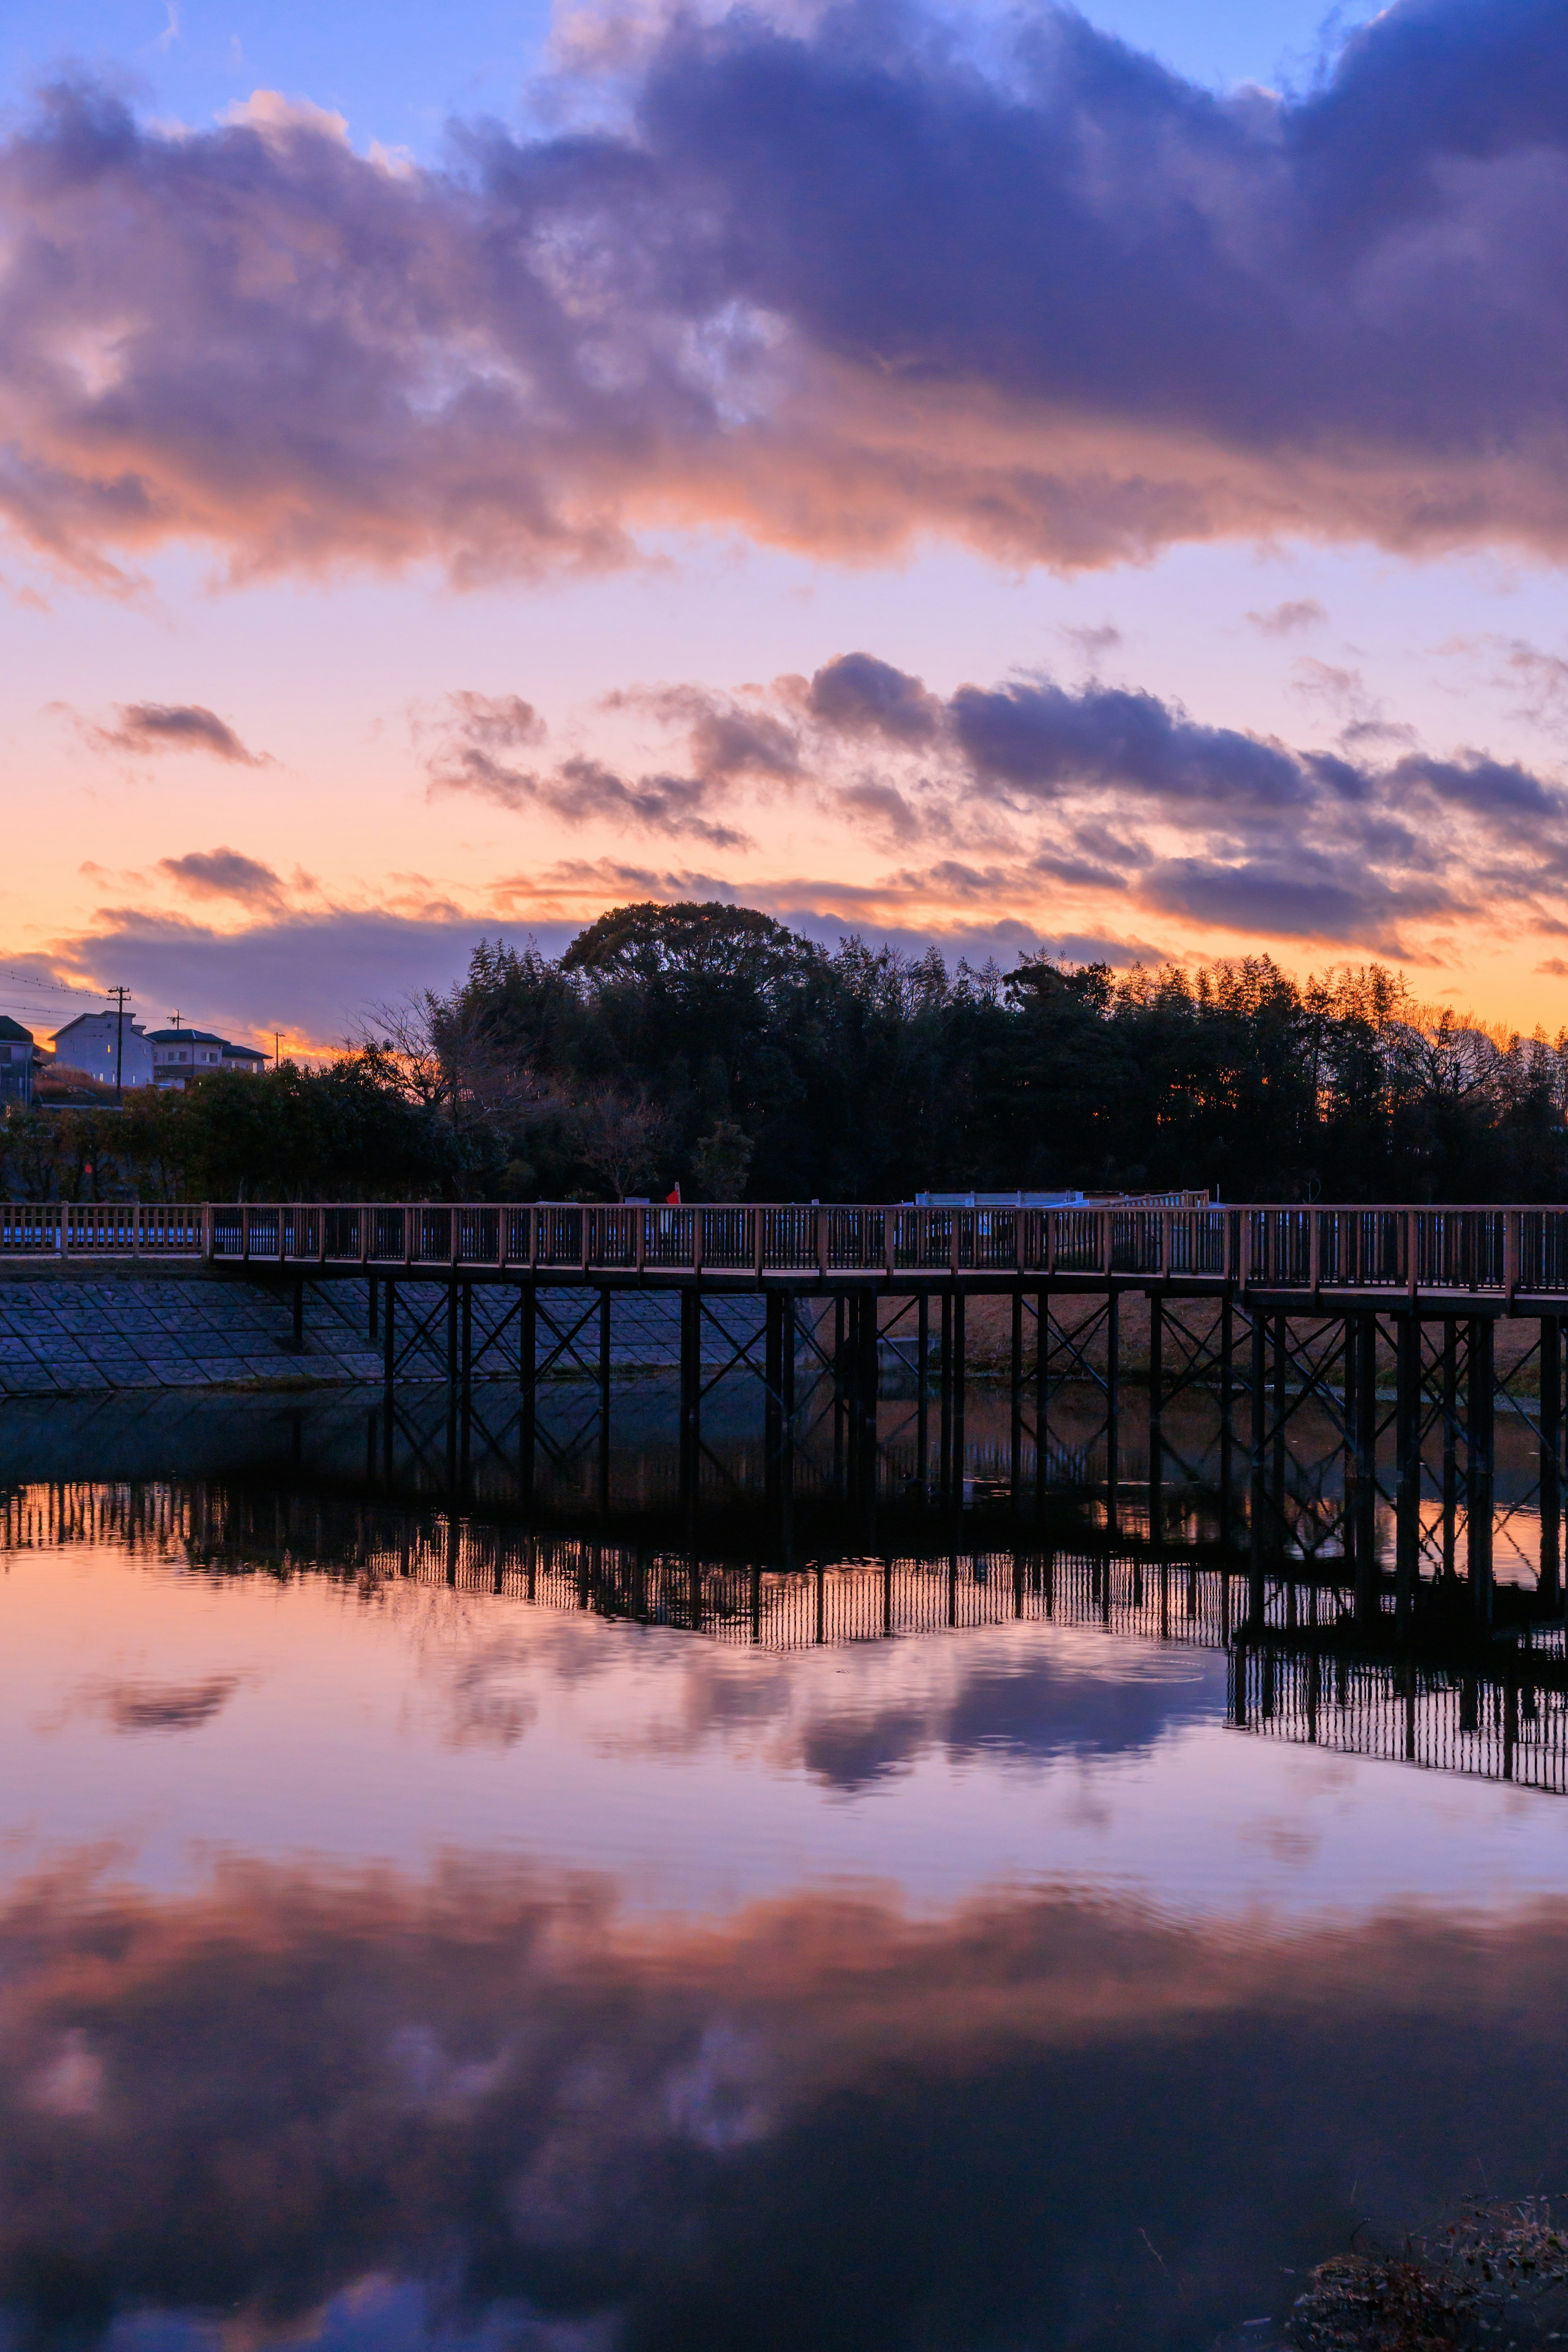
(182, 1053)
(16, 1050)
(92, 1042)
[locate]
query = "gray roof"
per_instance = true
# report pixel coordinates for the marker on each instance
(12, 1032)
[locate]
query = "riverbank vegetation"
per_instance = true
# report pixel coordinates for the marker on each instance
(712, 1048)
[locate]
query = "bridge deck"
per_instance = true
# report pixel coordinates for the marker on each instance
(1453, 1260)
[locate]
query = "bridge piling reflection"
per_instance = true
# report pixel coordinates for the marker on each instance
(1442, 1695)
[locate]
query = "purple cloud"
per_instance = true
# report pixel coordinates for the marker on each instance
(1282, 620)
(859, 695)
(1037, 738)
(147, 727)
(224, 874)
(478, 733)
(836, 285)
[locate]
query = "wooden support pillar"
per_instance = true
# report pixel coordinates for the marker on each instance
(1042, 1399)
(528, 1383)
(1016, 1403)
(1348, 1430)
(786, 1421)
(869, 1384)
(922, 1394)
(1156, 1409)
(1450, 1446)
(452, 1338)
(298, 1313)
(1368, 1581)
(1226, 1418)
(691, 1395)
(1258, 1505)
(468, 1345)
(605, 1399)
(388, 1341)
(945, 1410)
(372, 1299)
(1112, 1409)
(1550, 1583)
(1407, 1471)
(854, 1383)
(1479, 1409)
(1278, 1465)
(838, 1319)
(772, 1383)
(959, 1398)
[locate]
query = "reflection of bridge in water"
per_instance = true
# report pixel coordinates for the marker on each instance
(1310, 1669)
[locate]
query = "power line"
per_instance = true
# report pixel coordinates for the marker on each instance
(59, 987)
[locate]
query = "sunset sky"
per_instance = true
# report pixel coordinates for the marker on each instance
(1004, 477)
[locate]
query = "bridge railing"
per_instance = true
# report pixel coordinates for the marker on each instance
(1315, 1250)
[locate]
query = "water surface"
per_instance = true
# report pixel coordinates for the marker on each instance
(674, 1959)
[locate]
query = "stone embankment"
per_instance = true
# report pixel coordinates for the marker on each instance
(84, 1330)
(74, 1330)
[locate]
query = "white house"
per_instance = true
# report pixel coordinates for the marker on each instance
(182, 1053)
(91, 1043)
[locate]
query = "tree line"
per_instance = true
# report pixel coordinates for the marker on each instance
(708, 1046)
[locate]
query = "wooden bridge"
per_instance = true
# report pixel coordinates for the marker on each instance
(1490, 1259)
(1380, 1318)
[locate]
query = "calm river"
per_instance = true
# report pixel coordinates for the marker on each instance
(431, 1920)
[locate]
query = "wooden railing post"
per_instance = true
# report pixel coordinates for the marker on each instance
(696, 1241)
(821, 1244)
(640, 1230)
(1314, 1253)
(1510, 1218)
(1412, 1252)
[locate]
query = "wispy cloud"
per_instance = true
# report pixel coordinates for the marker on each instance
(1285, 620)
(148, 729)
(471, 746)
(224, 874)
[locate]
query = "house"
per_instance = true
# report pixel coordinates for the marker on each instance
(93, 1043)
(182, 1053)
(16, 1051)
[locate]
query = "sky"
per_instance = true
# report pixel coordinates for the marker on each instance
(1021, 479)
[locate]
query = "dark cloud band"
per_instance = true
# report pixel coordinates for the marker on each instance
(838, 286)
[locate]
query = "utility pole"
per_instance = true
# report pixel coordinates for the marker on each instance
(276, 1048)
(119, 995)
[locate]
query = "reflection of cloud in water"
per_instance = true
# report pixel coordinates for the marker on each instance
(143, 1704)
(822, 2122)
(854, 1714)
